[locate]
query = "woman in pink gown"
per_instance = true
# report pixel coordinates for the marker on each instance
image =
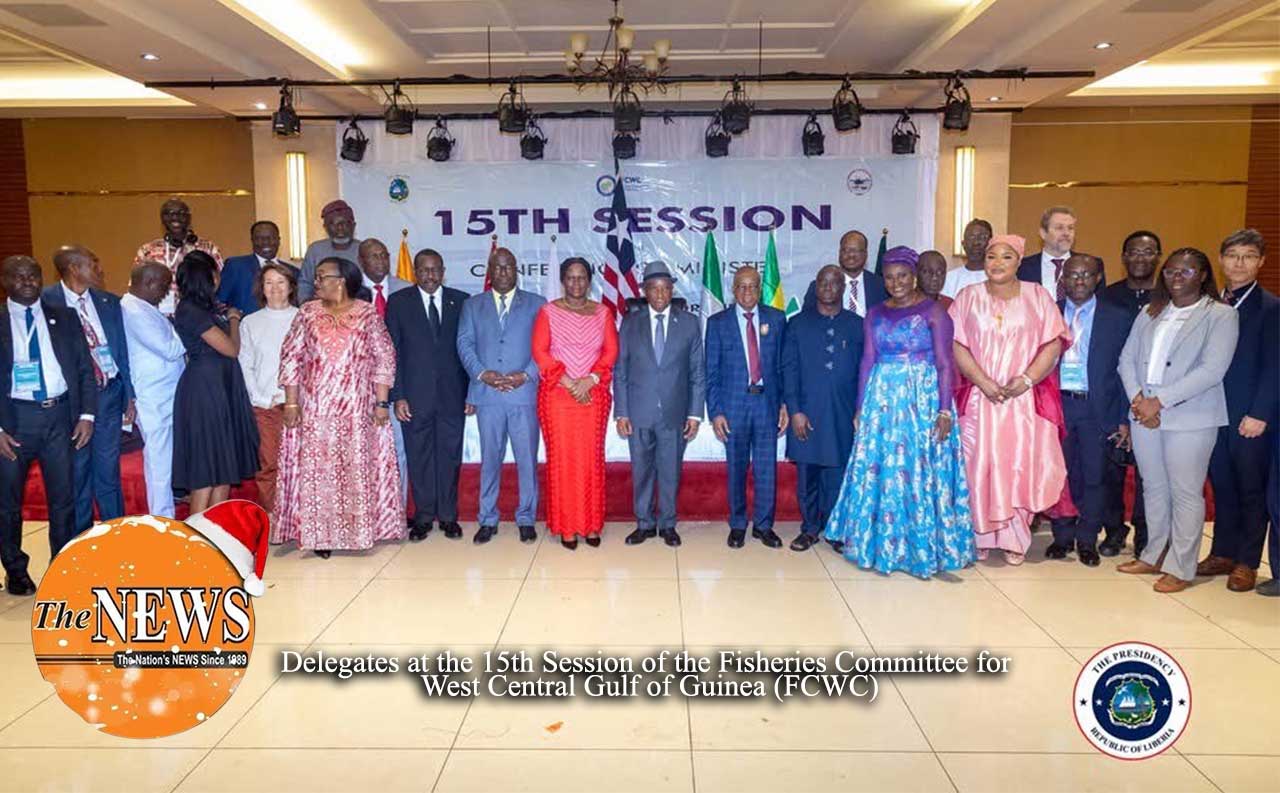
(338, 487)
(1008, 334)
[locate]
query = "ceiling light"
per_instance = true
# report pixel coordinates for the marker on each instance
(959, 107)
(322, 34)
(354, 143)
(993, 99)
(624, 145)
(400, 113)
(904, 135)
(626, 111)
(533, 141)
(811, 137)
(846, 108)
(1190, 75)
(716, 141)
(259, 105)
(1102, 45)
(285, 121)
(439, 142)
(513, 113)
(735, 112)
(149, 56)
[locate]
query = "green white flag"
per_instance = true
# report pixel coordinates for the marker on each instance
(771, 284)
(712, 293)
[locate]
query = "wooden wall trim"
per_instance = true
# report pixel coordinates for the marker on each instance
(15, 229)
(1262, 202)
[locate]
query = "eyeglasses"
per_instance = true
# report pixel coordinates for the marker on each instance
(1078, 276)
(1241, 257)
(1180, 272)
(1142, 251)
(322, 276)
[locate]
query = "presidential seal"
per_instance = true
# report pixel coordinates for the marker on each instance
(859, 181)
(1132, 700)
(398, 190)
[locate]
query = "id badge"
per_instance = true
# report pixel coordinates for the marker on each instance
(105, 361)
(26, 376)
(1072, 376)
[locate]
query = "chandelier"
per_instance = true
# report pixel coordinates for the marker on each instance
(614, 65)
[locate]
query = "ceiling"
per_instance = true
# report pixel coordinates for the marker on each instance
(84, 56)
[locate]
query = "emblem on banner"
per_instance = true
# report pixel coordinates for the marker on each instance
(605, 185)
(398, 190)
(859, 181)
(1132, 701)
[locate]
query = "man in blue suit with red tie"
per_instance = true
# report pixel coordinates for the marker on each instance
(240, 273)
(744, 401)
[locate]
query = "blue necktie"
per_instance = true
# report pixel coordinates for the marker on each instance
(33, 354)
(502, 312)
(659, 340)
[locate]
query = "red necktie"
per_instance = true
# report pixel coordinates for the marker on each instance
(1057, 278)
(753, 350)
(91, 336)
(380, 302)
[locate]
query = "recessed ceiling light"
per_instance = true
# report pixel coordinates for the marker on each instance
(993, 99)
(150, 56)
(259, 105)
(1102, 45)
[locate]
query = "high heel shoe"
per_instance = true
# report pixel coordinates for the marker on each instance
(323, 554)
(570, 544)
(593, 540)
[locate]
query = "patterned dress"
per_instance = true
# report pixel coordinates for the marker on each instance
(904, 504)
(338, 485)
(566, 342)
(165, 252)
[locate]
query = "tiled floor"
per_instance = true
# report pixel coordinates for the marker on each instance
(923, 733)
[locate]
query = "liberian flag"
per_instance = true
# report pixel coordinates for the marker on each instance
(619, 270)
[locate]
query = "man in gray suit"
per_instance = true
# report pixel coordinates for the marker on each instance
(375, 262)
(495, 344)
(658, 392)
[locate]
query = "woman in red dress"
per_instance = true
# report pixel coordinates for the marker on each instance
(575, 343)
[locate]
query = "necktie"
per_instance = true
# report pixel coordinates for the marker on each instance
(380, 302)
(753, 350)
(853, 296)
(33, 354)
(1057, 278)
(433, 313)
(502, 311)
(91, 336)
(659, 339)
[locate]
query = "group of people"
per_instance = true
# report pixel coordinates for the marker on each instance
(934, 416)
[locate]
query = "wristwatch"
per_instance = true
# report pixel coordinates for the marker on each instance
(384, 404)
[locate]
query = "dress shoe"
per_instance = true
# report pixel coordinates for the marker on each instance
(1242, 579)
(419, 531)
(593, 540)
(737, 537)
(1057, 551)
(485, 534)
(1113, 542)
(768, 537)
(671, 537)
(570, 544)
(640, 535)
(1215, 565)
(324, 554)
(527, 534)
(803, 541)
(836, 545)
(1270, 588)
(19, 585)
(451, 529)
(1088, 557)
(1168, 584)
(1138, 567)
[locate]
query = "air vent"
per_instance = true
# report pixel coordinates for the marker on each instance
(52, 16)
(1166, 6)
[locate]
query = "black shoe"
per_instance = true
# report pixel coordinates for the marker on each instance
(324, 554)
(1088, 557)
(737, 537)
(570, 544)
(768, 537)
(19, 585)
(527, 534)
(1110, 547)
(1057, 551)
(640, 535)
(485, 534)
(419, 531)
(836, 545)
(451, 529)
(593, 540)
(671, 537)
(803, 541)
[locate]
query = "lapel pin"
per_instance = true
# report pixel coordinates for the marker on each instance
(764, 329)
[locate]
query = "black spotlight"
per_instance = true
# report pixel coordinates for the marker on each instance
(959, 107)
(811, 138)
(626, 111)
(624, 145)
(354, 143)
(532, 141)
(400, 113)
(735, 111)
(717, 139)
(439, 142)
(285, 121)
(513, 113)
(905, 135)
(846, 108)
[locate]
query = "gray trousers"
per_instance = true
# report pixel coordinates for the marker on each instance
(1174, 464)
(519, 425)
(656, 456)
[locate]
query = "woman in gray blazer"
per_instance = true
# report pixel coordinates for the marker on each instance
(1172, 367)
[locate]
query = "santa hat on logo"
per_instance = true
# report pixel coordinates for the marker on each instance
(240, 529)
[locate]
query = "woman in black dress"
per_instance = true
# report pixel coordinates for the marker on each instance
(215, 437)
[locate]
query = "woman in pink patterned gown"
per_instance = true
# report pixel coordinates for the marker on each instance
(339, 488)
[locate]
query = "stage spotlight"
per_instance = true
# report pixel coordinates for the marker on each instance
(846, 108)
(354, 143)
(400, 113)
(533, 140)
(717, 140)
(905, 135)
(439, 142)
(626, 111)
(735, 111)
(811, 138)
(285, 121)
(624, 145)
(959, 106)
(513, 113)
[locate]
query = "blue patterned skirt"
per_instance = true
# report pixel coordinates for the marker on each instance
(904, 502)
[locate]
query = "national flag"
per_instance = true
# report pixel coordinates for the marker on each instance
(771, 284)
(551, 289)
(712, 291)
(493, 247)
(404, 262)
(884, 248)
(619, 270)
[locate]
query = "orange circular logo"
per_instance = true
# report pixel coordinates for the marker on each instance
(143, 626)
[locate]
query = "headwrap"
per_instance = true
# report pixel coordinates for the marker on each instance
(900, 254)
(1019, 244)
(336, 206)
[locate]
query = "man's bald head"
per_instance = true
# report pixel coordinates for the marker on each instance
(78, 267)
(502, 270)
(150, 281)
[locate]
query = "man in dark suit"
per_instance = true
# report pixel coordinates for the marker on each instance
(1242, 456)
(240, 272)
(658, 392)
(744, 401)
(820, 361)
(430, 392)
(96, 468)
(1057, 236)
(1094, 406)
(46, 411)
(862, 289)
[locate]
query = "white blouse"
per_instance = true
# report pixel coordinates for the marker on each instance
(261, 337)
(1166, 330)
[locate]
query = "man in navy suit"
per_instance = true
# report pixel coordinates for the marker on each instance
(1057, 236)
(862, 289)
(430, 392)
(97, 465)
(239, 273)
(744, 401)
(46, 411)
(1242, 456)
(1093, 403)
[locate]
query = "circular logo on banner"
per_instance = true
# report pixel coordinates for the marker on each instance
(605, 184)
(859, 181)
(143, 626)
(1132, 700)
(398, 190)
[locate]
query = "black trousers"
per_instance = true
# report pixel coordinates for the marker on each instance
(433, 451)
(817, 488)
(1084, 448)
(1113, 476)
(45, 435)
(1238, 470)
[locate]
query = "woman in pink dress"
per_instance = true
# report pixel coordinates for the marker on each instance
(338, 487)
(1008, 334)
